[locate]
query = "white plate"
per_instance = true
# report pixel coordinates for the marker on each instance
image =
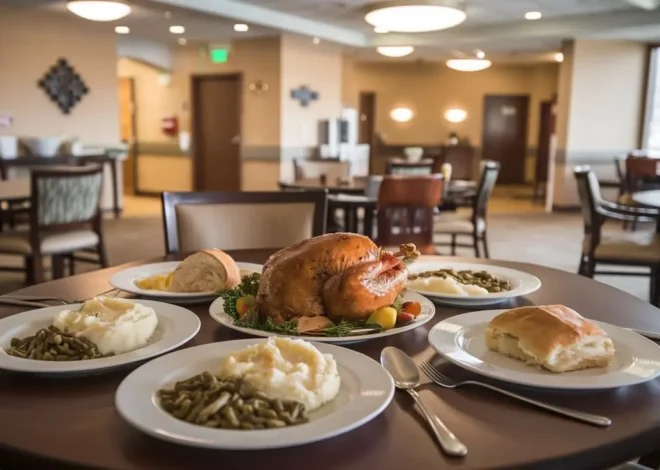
(176, 326)
(461, 339)
(217, 311)
(523, 283)
(125, 280)
(366, 390)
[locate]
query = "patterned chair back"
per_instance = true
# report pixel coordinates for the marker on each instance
(66, 196)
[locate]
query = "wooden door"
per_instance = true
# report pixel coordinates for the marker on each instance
(217, 132)
(505, 135)
(127, 130)
(367, 119)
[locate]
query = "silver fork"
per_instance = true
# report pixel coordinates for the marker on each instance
(440, 379)
(39, 301)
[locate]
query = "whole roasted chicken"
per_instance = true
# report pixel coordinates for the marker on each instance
(341, 275)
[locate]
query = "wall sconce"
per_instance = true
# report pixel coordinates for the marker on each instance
(258, 86)
(164, 79)
(401, 114)
(456, 115)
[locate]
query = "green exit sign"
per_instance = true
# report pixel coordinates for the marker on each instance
(219, 56)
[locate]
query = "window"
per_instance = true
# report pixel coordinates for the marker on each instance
(651, 136)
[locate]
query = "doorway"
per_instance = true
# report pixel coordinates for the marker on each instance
(505, 135)
(216, 117)
(127, 130)
(367, 126)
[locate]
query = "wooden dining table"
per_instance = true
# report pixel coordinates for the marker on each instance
(71, 422)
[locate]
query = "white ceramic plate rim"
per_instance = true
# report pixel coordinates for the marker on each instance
(136, 402)
(125, 280)
(217, 312)
(185, 326)
(445, 339)
(526, 283)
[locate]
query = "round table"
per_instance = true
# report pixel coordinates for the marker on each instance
(55, 422)
(647, 198)
(356, 186)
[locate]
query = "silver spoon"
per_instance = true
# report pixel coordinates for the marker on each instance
(405, 374)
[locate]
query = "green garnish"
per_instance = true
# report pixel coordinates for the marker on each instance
(249, 286)
(285, 328)
(398, 302)
(343, 328)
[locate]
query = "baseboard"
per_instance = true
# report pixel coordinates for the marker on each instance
(566, 208)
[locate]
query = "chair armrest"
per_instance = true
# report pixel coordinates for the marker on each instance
(609, 214)
(630, 210)
(610, 184)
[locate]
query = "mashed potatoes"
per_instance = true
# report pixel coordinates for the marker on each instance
(113, 325)
(288, 369)
(447, 285)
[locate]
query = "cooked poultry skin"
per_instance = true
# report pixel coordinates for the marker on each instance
(340, 275)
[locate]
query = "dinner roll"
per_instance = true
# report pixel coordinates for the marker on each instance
(206, 271)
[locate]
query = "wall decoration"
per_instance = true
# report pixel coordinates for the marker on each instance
(304, 95)
(63, 85)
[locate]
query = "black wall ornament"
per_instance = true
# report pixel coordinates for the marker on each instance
(304, 95)
(63, 86)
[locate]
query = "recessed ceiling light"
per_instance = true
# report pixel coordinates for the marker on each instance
(559, 57)
(380, 30)
(177, 29)
(533, 15)
(316, 41)
(122, 29)
(468, 65)
(98, 10)
(395, 51)
(183, 41)
(480, 54)
(241, 28)
(428, 15)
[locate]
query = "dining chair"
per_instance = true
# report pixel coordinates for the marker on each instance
(64, 219)
(405, 210)
(398, 166)
(617, 248)
(313, 169)
(241, 220)
(473, 225)
(640, 173)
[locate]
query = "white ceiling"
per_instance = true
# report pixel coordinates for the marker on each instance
(497, 27)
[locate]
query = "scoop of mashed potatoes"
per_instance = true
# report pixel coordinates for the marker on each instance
(288, 369)
(446, 285)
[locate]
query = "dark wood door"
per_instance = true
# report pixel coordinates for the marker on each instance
(217, 132)
(127, 130)
(367, 126)
(505, 135)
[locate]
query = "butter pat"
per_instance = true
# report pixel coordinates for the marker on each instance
(113, 325)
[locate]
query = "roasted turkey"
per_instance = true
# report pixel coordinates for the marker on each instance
(341, 275)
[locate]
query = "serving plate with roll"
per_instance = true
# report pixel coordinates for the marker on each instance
(548, 346)
(198, 278)
(468, 284)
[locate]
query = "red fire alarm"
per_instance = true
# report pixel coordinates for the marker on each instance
(170, 125)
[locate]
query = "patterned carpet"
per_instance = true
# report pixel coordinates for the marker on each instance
(535, 237)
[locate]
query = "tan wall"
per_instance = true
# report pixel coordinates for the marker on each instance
(429, 89)
(30, 43)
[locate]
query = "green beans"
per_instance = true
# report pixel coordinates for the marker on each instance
(482, 279)
(51, 344)
(208, 401)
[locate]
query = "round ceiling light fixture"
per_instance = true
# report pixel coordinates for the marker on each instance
(241, 27)
(395, 51)
(468, 65)
(559, 57)
(533, 15)
(416, 16)
(401, 114)
(98, 10)
(122, 29)
(456, 115)
(177, 29)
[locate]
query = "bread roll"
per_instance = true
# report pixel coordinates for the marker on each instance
(206, 271)
(553, 337)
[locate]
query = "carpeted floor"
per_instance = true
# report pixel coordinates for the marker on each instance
(516, 233)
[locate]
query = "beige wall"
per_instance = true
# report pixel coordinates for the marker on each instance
(429, 89)
(30, 43)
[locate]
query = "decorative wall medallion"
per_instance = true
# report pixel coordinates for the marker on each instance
(63, 85)
(304, 95)
(258, 86)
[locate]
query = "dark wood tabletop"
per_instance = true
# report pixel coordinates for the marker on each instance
(71, 421)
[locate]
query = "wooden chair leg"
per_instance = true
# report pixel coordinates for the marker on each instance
(475, 240)
(582, 266)
(37, 268)
(453, 244)
(58, 266)
(103, 259)
(591, 267)
(29, 272)
(484, 239)
(633, 227)
(72, 264)
(653, 287)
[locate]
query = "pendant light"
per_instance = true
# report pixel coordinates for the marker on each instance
(415, 16)
(99, 10)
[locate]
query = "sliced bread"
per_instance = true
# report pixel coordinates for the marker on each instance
(206, 271)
